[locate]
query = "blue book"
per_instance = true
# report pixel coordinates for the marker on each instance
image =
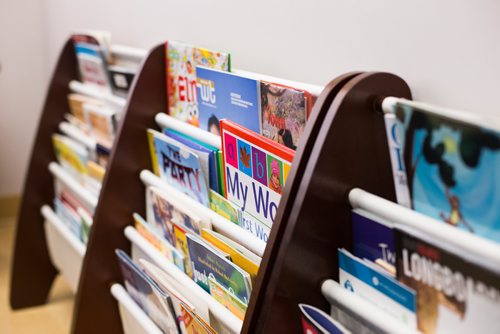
(224, 95)
(373, 239)
(200, 149)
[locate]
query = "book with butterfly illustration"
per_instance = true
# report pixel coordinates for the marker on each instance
(255, 172)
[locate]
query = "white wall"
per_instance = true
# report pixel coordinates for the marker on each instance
(22, 87)
(447, 50)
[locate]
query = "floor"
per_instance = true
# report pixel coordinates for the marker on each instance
(52, 318)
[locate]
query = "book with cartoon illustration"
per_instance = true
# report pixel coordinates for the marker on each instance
(223, 95)
(255, 172)
(284, 112)
(181, 62)
(178, 165)
(452, 168)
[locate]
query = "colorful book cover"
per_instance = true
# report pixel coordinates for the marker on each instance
(452, 169)
(256, 169)
(165, 248)
(316, 321)
(454, 295)
(224, 95)
(194, 324)
(206, 261)
(182, 246)
(146, 293)
(72, 156)
(76, 102)
(69, 216)
(373, 239)
(181, 61)
(92, 62)
(178, 166)
(223, 207)
(284, 113)
(378, 288)
(226, 298)
(101, 123)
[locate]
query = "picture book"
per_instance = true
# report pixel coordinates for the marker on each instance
(454, 295)
(256, 169)
(315, 321)
(86, 221)
(452, 168)
(121, 79)
(146, 293)
(206, 261)
(102, 154)
(178, 166)
(378, 288)
(223, 207)
(227, 298)
(195, 324)
(69, 216)
(284, 113)
(157, 241)
(181, 244)
(240, 256)
(91, 54)
(373, 239)
(224, 95)
(164, 211)
(101, 123)
(181, 62)
(76, 102)
(72, 156)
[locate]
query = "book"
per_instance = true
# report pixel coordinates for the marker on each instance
(86, 222)
(178, 165)
(101, 123)
(91, 48)
(224, 95)
(181, 62)
(72, 156)
(373, 239)
(76, 102)
(227, 298)
(181, 244)
(316, 321)
(121, 79)
(452, 168)
(68, 214)
(455, 294)
(255, 173)
(284, 113)
(206, 262)
(157, 241)
(378, 288)
(146, 293)
(195, 324)
(223, 207)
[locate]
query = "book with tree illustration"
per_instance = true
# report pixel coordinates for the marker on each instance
(452, 168)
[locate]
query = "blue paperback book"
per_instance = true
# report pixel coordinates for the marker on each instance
(372, 238)
(224, 95)
(146, 293)
(452, 168)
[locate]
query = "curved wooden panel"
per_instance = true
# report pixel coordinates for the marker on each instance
(350, 151)
(122, 194)
(32, 271)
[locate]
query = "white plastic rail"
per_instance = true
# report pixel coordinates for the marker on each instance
(229, 320)
(83, 194)
(482, 250)
(224, 226)
(86, 89)
(337, 295)
(123, 51)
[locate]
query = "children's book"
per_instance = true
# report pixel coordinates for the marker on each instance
(452, 168)
(101, 123)
(86, 222)
(178, 165)
(146, 293)
(455, 295)
(373, 239)
(256, 170)
(315, 321)
(102, 154)
(194, 323)
(91, 50)
(378, 288)
(68, 215)
(72, 156)
(76, 102)
(284, 113)
(223, 207)
(240, 256)
(227, 298)
(207, 261)
(224, 95)
(180, 235)
(182, 60)
(157, 241)
(121, 79)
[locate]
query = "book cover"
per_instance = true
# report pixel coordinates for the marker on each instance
(224, 95)
(181, 62)
(76, 102)
(195, 324)
(146, 293)
(181, 244)
(373, 239)
(223, 207)
(256, 169)
(121, 79)
(226, 298)
(206, 261)
(157, 241)
(378, 288)
(454, 295)
(101, 123)
(284, 113)
(315, 321)
(92, 62)
(452, 169)
(72, 156)
(178, 166)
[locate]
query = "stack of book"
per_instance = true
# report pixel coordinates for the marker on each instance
(220, 163)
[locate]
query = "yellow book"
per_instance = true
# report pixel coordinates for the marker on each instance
(96, 171)
(181, 245)
(154, 159)
(70, 154)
